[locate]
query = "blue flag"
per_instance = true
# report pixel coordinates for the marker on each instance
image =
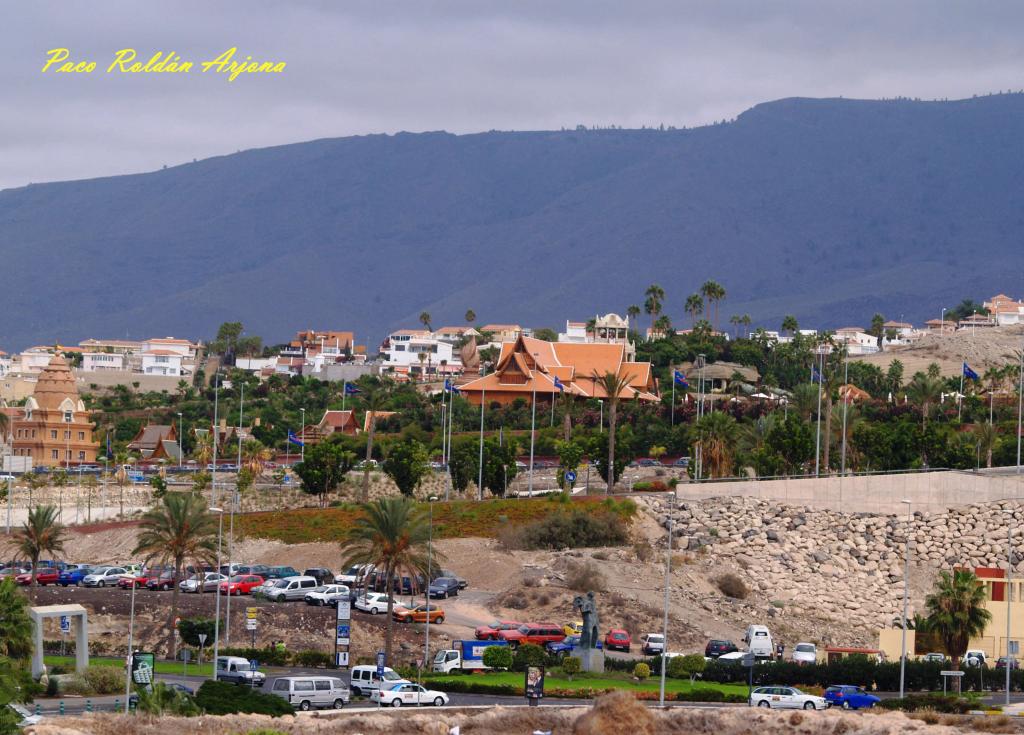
(351, 390)
(815, 374)
(680, 379)
(968, 373)
(110, 453)
(295, 440)
(559, 385)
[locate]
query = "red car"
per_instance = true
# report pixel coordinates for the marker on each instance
(43, 577)
(139, 580)
(490, 631)
(537, 633)
(619, 639)
(241, 584)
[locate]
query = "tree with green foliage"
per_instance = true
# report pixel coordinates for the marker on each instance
(572, 666)
(499, 465)
(425, 320)
(407, 464)
(15, 623)
(179, 529)
(654, 298)
(717, 437)
(894, 377)
(790, 325)
(163, 700)
(159, 486)
(788, 447)
(877, 329)
(470, 316)
(392, 534)
(713, 293)
(374, 401)
(462, 464)
(498, 657)
(15, 686)
(191, 628)
(324, 468)
(570, 454)
(690, 666)
(632, 312)
(956, 611)
(613, 384)
(694, 306)
(924, 391)
(40, 534)
(545, 334)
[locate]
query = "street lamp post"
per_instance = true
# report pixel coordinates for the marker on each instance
(180, 455)
(533, 433)
(302, 448)
(668, 581)
(906, 587)
(1020, 404)
(128, 668)
(942, 321)
(1009, 573)
(216, 618)
(430, 540)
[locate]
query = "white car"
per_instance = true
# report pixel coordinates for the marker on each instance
(326, 594)
(374, 603)
(734, 656)
(408, 694)
(211, 582)
(104, 577)
(805, 653)
(785, 698)
(652, 643)
(354, 575)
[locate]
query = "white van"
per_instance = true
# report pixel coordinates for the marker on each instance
(309, 692)
(365, 680)
(290, 588)
(759, 641)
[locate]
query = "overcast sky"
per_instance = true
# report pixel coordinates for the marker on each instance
(365, 67)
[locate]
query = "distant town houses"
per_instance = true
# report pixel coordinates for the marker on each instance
(1005, 311)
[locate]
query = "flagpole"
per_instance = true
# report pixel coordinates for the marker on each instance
(480, 473)
(344, 391)
(960, 396)
(673, 410)
(533, 432)
(1020, 404)
(846, 403)
(817, 438)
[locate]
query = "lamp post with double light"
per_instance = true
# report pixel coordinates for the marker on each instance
(906, 601)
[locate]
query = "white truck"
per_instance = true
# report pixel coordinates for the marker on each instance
(467, 656)
(759, 641)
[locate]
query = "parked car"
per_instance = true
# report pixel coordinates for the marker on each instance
(805, 653)
(326, 594)
(618, 639)
(139, 580)
(322, 575)
(408, 695)
(354, 575)
(418, 614)
(44, 577)
(236, 669)
(652, 644)
(490, 631)
(280, 572)
(785, 698)
(365, 680)
(645, 462)
(73, 576)
(717, 647)
(574, 628)
(448, 573)
(1001, 663)
(566, 646)
(290, 588)
(308, 692)
(257, 569)
(936, 658)
(205, 582)
(103, 576)
(240, 584)
(538, 633)
(165, 581)
(682, 462)
(975, 657)
(444, 587)
(850, 697)
(759, 641)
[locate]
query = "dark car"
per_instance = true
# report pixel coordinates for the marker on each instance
(565, 647)
(260, 569)
(849, 697)
(443, 587)
(73, 576)
(716, 648)
(164, 582)
(453, 575)
(1001, 663)
(682, 462)
(646, 462)
(322, 575)
(281, 573)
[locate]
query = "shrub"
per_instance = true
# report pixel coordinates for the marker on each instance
(732, 586)
(190, 628)
(104, 679)
(584, 577)
(572, 666)
(944, 704)
(472, 685)
(574, 529)
(643, 550)
(76, 684)
(652, 486)
(221, 698)
(315, 659)
(269, 656)
(688, 666)
(528, 654)
(498, 657)
(641, 671)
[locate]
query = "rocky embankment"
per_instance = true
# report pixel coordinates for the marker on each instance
(846, 567)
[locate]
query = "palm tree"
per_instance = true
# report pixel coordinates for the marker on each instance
(745, 321)
(663, 325)
(179, 529)
(122, 459)
(5, 426)
(789, 324)
(613, 385)
(15, 623)
(392, 534)
(40, 534)
(655, 295)
(425, 320)
(632, 312)
(717, 435)
(694, 307)
(985, 435)
(255, 456)
(924, 391)
(956, 611)
(375, 400)
(470, 316)
(713, 292)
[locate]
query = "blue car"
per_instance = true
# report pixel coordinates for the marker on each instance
(73, 576)
(565, 646)
(850, 697)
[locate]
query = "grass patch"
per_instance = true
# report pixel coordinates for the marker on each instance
(453, 519)
(176, 668)
(608, 680)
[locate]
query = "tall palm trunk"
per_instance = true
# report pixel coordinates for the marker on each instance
(828, 432)
(612, 410)
(174, 609)
(369, 454)
(389, 628)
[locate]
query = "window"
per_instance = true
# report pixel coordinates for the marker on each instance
(81, 456)
(67, 434)
(323, 686)
(53, 433)
(281, 685)
(399, 348)
(53, 454)
(81, 436)
(303, 686)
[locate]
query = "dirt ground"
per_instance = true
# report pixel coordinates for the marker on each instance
(982, 348)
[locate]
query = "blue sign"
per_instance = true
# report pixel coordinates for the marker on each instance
(253, 665)
(380, 663)
(343, 630)
(65, 624)
(570, 476)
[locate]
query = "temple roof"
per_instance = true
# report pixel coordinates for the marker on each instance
(56, 384)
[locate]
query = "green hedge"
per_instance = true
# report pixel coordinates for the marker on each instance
(949, 705)
(221, 698)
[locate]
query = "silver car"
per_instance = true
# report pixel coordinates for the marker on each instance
(290, 588)
(210, 582)
(104, 577)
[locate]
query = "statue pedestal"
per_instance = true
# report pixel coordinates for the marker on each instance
(591, 659)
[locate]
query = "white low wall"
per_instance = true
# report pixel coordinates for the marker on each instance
(882, 493)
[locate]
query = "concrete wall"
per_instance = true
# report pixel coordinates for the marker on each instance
(882, 493)
(110, 378)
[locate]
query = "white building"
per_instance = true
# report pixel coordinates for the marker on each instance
(574, 332)
(163, 362)
(181, 347)
(93, 362)
(5, 363)
(857, 341)
(33, 360)
(122, 346)
(255, 364)
(402, 349)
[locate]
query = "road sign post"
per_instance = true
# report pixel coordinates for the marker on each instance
(251, 622)
(381, 661)
(954, 674)
(748, 662)
(342, 633)
(202, 642)
(254, 666)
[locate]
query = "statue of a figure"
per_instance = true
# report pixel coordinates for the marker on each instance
(591, 623)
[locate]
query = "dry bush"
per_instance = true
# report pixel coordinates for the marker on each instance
(513, 600)
(543, 599)
(531, 582)
(643, 550)
(1001, 723)
(616, 712)
(927, 716)
(731, 585)
(509, 537)
(584, 577)
(796, 718)
(601, 555)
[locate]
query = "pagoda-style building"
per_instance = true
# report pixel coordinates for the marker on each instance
(53, 428)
